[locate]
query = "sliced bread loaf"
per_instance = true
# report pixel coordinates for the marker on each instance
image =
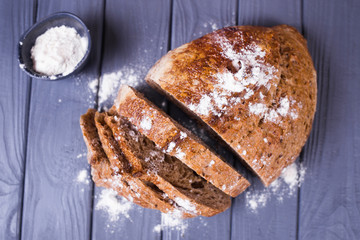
(106, 174)
(254, 86)
(177, 141)
(180, 183)
(103, 175)
(140, 189)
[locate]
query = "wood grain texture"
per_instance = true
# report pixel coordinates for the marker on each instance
(276, 220)
(138, 224)
(56, 206)
(191, 20)
(330, 195)
(136, 35)
(16, 17)
(266, 13)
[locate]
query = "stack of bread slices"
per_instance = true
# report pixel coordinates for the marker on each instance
(255, 87)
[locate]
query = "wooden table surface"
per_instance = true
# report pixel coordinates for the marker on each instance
(41, 146)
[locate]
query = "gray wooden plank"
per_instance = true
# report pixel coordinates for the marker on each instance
(56, 205)
(276, 220)
(136, 35)
(330, 195)
(16, 17)
(265, 13)
(191, 20)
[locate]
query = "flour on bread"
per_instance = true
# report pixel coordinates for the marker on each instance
(251, 71)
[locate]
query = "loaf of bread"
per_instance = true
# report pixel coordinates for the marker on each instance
(254, 86)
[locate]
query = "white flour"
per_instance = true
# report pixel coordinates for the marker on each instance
(250, 70)
(83, 177)
(80, 155)
(171, 147)
(93, 85)
(58, 51)
(172, 221)
(110, 83)
(273, 115)
(114, 205)
(212, 25)
(186, 204)
(285, 186)
(146, 123)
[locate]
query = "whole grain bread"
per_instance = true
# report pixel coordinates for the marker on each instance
(103, 175)
(180, 183)
(140, 189)
(177, 141)
(106, 174)
(254, 86)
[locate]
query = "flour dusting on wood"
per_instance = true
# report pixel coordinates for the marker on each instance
(172, 221)
(111, 81)
(114, 206)
(83, 177)
(285, 186)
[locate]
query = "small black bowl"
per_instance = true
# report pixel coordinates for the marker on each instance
(28, 39)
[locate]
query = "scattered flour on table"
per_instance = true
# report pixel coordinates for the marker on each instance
(212, 25)
(80, 155)
(285, 186)
(172, 221)
(110, 82)
(93, 85)
(114, 205)
(83, 177)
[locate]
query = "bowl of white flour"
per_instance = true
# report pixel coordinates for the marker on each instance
(55, 48)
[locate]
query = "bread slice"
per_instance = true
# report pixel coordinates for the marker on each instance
(254, 86)
(103, 175)
(177, 141)
(178, 181)
(145, 190)
(96, 155)
(106, 173)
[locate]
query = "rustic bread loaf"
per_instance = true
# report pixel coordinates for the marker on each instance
(180, 183)
(254, 86)
(177, 141)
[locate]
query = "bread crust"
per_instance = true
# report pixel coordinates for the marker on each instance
(178, 141)
(254, 86)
